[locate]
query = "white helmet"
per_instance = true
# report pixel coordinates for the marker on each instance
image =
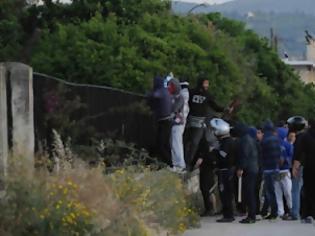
(220, 127)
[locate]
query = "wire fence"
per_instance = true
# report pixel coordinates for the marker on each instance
(85, 112)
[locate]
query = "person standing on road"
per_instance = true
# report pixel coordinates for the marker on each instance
(305, 155)
(271, 153)
(247, 168)
(225, 164)
(297, 125)
(283, 185)
(206, 163)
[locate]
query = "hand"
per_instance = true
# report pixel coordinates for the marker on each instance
(230, 110)
(296, 168)
(281, 162)
(239, 173)
(198, 163)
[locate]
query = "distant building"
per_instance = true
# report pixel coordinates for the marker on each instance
(250, 14)
(305, 68)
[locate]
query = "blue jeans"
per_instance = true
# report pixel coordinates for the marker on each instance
(297, 183)
(270, 179)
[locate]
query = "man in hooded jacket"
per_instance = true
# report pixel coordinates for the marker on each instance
(283, 185)
(247, 167)
(160, 101)
(271, 154)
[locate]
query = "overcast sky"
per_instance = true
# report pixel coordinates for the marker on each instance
(206, 1)
(196, 1)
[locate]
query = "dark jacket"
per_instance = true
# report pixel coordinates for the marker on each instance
(270, 149)
(226, 153)
(305, 150)
(247, 153)
(208, 156)
(201, 101)
(160, 100)
(286, 149)
(253, 134)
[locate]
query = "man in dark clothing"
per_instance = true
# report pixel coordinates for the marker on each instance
(256, 134)
(225, 164)
(161, 103)
(304, 154)
(200, 103)
(271, 153)
(247, 167)
(206, 163)
(297, 125)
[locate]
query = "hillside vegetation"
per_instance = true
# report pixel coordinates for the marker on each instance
(124, 44)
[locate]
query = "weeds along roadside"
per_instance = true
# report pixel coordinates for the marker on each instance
(77, 199)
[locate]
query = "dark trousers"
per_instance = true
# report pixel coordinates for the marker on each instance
(308, 197)
(163, 140)
(206, 178)
(270, 193)
(193, 138)
(250, 181)
(240, 206)
(226, 192)
(258, 187)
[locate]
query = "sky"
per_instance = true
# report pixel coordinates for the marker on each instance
(206, 1)
(196, 1)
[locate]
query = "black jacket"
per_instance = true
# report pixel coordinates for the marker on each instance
(208, 156)
(226, 153)
(247, 157)
(201, 101)
(305, 150)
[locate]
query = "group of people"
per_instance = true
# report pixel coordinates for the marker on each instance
(264, 171)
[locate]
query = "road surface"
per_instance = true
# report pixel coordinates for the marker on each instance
(262, 228)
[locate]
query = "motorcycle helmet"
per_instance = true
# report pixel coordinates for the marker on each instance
(296, 123)
(220, 127)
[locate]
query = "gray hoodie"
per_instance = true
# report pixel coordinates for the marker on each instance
(178, 101)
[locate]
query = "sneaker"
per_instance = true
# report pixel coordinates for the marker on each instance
(248, 221)
(307, 220)
(271, 217)
(177, 170)
(225, 220)
(289, 218)
(265, 216)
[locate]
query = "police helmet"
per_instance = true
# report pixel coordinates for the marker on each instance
(220, 127)
(296, 123)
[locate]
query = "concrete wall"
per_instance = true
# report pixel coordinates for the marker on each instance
(306, 73)
(3, 127)
(310, 51)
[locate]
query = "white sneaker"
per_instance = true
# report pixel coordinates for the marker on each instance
(177, 170)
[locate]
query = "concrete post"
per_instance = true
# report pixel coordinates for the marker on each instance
(22, 104)
(3, 127)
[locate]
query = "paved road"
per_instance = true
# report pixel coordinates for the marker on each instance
(262, 228)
